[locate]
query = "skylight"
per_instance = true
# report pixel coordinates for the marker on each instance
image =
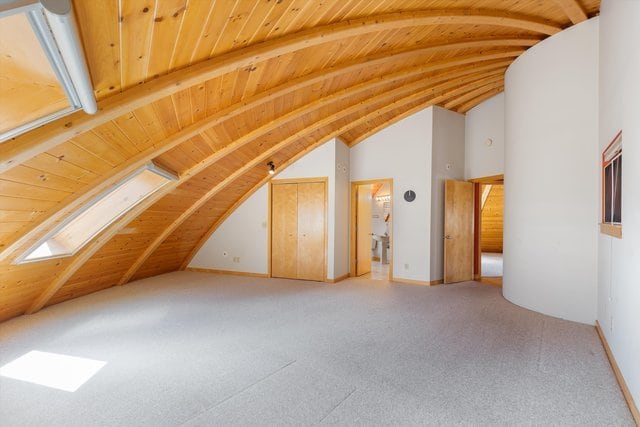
(29, 87)
(73, 234)
(53, 370)
(43, 74)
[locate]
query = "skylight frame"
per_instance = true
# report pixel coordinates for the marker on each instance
(36, 14)
(152, 167)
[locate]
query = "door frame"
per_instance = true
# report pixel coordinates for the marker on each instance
(322, 179)
(353, 223)
(477, 219)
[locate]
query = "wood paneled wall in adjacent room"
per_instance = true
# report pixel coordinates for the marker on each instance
(492, 220)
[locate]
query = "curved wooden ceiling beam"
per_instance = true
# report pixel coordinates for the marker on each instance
(573, 10)
(336, 134)
(74, 202)
(23, 147)
(477, 100)
(474, 93)
(103, 238)
(451, 94)
(290, 140)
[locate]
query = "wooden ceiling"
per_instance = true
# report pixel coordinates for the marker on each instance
(213, 90)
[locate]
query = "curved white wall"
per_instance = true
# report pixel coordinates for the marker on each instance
(552, 176)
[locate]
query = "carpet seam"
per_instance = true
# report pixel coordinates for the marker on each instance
(338, 404)
(215, 405)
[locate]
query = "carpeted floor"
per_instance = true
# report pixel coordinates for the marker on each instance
(198, 349)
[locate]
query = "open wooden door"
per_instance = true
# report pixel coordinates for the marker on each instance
(458, 231)
(363, 230)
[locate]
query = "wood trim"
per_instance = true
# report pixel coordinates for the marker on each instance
(616, 370)
(493, 281)
(25, 146)
(477, 228)
(417, 282)
(493, 179)
(613, 230)
(229, 272)
(117, 174)
(352, 223)
(338, 279)
(298, 180)
(573, 10)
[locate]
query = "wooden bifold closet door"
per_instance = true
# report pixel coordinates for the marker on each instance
(298, 214)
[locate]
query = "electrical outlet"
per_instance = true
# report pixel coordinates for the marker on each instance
(406, 266)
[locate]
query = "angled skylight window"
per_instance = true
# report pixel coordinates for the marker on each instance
(29, 88)
(74, 233)
(43, 72)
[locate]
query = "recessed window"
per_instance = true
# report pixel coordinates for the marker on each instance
(53, 370)
(612, 187)
(73, 234)
(44, 73)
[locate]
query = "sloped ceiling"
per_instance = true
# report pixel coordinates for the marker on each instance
(215, 90)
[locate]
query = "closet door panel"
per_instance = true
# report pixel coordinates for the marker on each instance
(284, 230)
(311, 230)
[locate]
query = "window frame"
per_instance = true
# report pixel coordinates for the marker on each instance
(611, 154)
(22, 259)
(34, 12)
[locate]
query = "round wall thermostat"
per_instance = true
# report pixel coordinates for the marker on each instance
(409, 195)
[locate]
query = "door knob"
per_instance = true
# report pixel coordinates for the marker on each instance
(448, 237)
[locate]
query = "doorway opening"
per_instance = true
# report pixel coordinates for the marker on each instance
(489, 225)
(371, 229)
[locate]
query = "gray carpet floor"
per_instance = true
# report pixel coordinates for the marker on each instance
(192, 348)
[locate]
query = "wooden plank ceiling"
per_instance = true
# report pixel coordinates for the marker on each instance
(213, 90)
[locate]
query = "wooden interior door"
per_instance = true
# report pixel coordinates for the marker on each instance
(458, 231)
(311, 227)
(363, 230)
(284, 230)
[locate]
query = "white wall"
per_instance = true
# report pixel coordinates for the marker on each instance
(619, 259)
(403, 152)
(447, 163)
(485, 121)
(245, 234)
(552, 175)
(320, 162)
(343, 202)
